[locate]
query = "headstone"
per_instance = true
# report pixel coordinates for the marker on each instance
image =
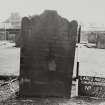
(84, 37)
(18, 39)
(47, 55)
(91, 86)
(92, 37)
(100, 41)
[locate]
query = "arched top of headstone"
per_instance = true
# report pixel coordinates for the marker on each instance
(47, 14)
(48, 25)
(50, 12)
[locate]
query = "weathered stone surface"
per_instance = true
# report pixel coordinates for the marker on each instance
(47, 55)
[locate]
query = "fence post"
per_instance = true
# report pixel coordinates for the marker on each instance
(77, 66)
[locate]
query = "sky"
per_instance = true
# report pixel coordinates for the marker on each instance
(86, 12)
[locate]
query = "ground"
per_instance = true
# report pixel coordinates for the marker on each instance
(9, 59)
(92, 63)
(91, 59)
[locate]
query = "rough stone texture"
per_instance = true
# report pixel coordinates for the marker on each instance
(47, 55)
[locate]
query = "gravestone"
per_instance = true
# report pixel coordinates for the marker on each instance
(47, 55)
(92, 37)
(100, 41)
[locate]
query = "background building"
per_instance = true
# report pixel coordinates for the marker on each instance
(10, 27)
